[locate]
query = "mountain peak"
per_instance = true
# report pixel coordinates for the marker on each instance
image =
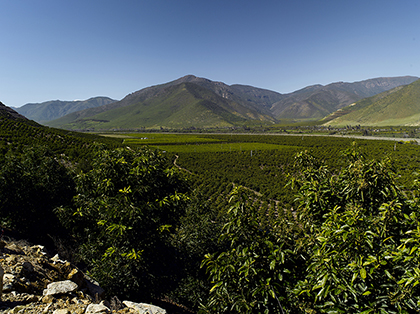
(188, 77)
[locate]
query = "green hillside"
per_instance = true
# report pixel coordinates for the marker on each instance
(177, 106)
(54, 109)
(399, 106)
(318, 101)
(9, 113)
(17, 132)
(194, 102)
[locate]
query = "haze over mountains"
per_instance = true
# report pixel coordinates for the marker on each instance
(192, 101)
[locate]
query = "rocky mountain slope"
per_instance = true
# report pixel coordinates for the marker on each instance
(54, 109)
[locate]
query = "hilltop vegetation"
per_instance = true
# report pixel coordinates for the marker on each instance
(17, 132)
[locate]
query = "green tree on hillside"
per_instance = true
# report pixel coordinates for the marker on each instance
(32, 184)
(257, 268)
(355, 222)
(126, 208)
(353, 246)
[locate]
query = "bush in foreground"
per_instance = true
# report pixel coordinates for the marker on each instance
(126, 208)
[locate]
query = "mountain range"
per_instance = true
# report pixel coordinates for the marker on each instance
(192, 101)
(317, 101)
(54, 109)
(398, 106)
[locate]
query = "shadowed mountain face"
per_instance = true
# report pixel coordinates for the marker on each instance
(54, 109)
(192, 101)
(399, 106)
(9, 113)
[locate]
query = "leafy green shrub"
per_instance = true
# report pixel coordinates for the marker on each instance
(352, 246)
(254, 273)
(126, 208)
(196, 236)
(31, 186)
(355, 223)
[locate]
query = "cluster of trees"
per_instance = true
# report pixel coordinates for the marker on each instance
(131, 218)
(352, 246)
(348, 243)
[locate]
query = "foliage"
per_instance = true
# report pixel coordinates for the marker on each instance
(353, 246)
(31, 186)
(126, 208)
(15, 135)
(196, 236)
(349, 244)
(254, 272)
(354, 222)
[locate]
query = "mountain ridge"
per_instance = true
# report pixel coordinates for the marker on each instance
(54, 109)
(317, 101)
(172, 105)
(247, 103)
(399, 106)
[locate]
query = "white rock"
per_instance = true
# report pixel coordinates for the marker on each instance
(61, 311)
(97, 308)
(56, 259)
(9, 277)
(59, 287)
(143, 308)
(38, 247)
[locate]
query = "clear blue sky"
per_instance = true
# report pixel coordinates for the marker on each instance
(62, 49)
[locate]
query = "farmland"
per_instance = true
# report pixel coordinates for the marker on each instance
(235, 199)
(263, 163)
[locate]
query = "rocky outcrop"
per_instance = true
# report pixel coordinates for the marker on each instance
(143, 308)
(35, 283)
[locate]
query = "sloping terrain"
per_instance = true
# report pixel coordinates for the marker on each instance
(7, 112)
(248, 96)
(18, 131)
(54, 109)
(192, 101)
(399, 106)
(171, 105)
(317, 101)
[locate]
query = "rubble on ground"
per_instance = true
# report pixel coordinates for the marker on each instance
(35, 283)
